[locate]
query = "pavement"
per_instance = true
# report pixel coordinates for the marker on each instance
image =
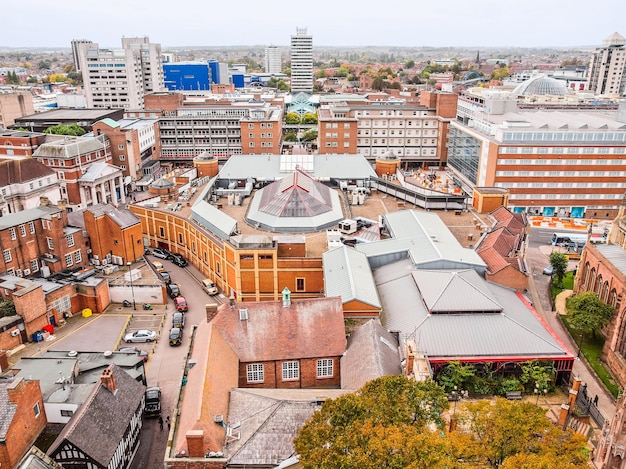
(539, 290)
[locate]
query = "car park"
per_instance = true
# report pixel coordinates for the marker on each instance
(173, 290)
(142, 335)
(161, 253)
(152, 406)
(179, 260)
(176, 336)
(209, 286)
(181, 304)
(178, 320)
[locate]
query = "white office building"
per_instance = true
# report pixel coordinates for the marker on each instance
(301, 62)
(119, 78)
(607, 69)
(273, 60)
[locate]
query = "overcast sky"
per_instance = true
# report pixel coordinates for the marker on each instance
(435, 23)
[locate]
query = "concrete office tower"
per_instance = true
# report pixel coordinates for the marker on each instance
(75, 55)
(607, 69)
(273, 60)
(119, 78)
(301, 62)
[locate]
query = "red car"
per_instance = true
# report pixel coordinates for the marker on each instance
(181, 304)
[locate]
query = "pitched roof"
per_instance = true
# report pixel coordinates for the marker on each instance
(373, 341)
(122, 217)
(515, 222)
(107, 415)
(306, 328)
(17, 171)
(498, 250)
(7, 411)
(98, 170)
(68, 147)
(347, 274)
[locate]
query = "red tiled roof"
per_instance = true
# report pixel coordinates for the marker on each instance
(17, 171)
(515, 222)
(307, 328)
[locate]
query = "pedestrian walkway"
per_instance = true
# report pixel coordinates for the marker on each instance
(606, 401)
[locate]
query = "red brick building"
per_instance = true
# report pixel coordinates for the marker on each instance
(19, 144)
(23, 419)
(285, 344)
(40, 238)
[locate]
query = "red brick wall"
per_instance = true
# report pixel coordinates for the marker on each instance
(202, 463)
(167, 102)
(272, 371)
(24, 427)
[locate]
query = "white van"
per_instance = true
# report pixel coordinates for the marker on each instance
(209, 286)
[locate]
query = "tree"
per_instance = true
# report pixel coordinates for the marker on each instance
(7, 308)
(537, 375)
(309, 118)
(588, 313)
(409, 64)
(66, 129)
(457, 374)
(558, 261)
(290, 137)
(309, 135)
(292, 118)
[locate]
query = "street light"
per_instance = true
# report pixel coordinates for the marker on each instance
(132, 289)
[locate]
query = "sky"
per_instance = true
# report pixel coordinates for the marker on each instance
(402, 23)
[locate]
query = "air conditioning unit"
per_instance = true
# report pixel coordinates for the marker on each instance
(105, 262)
(26, 272)
(96, 257)
(19, 273)
(95, 261)
(15, 332)
(48, 255)
(88, 250)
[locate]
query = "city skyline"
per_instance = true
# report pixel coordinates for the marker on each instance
(439, 24)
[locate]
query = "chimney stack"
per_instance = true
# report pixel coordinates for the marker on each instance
(211, 311)
(107, 379)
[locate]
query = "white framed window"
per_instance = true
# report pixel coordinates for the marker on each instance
(69, 260)
(31, 227)
(13, 233)
(325, 368)
(291, 371)
(78, 257)
(120, 146)
(22, 230)
(50, 243)
(34, 265)
(63, 304)
(70, 240)
(255, 373)
(7, 255)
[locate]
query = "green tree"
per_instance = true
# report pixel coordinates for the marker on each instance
(588, 313)
(309, 135)
(320, 74)
(7, 308)
(292, 118)
(558, 261)
(66, 129)
(457, 374)
(309, 118)
(409, 64)
(290, 137)
(538, 375)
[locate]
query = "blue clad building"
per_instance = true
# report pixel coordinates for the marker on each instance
(186, 76)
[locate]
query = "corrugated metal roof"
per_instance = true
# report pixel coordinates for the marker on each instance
(213, 219)
(347, 274)
(615, 254)
(452, 291)
(515, 332)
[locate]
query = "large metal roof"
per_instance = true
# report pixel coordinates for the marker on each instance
(516, 333)
(347, 274)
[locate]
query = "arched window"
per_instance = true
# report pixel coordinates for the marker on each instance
(598, 287)
(613, 298)
(585, 276)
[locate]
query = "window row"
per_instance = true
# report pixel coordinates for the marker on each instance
(255, 372)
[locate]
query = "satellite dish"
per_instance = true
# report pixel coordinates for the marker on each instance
(127, 180)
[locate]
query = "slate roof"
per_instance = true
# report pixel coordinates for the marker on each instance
(347, 274)
(269, 421)
(516, 332)
(372, 352)
(14, 219)
(99, 170)
(69, 147)
(122, 217)
(308, 328)
(101, 422)
(7, 410)
(18, 171)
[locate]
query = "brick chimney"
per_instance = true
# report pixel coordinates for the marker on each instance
(44, 201)
(195, 446)
(107, 379)
(211, 311)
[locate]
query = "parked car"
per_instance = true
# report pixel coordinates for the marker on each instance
(161, 253)
(209, 286)
(179, 260)
(166, 277)
(549, 270)
(176, 336)
(142, 353)
(173, 290)
(181, 304)
(158, 266)
(142, 335)
(178, 320)
(153, 402)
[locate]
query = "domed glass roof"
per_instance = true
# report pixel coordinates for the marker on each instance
(541, 84)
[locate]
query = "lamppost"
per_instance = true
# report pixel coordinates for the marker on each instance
(538, 393)
(132, 289)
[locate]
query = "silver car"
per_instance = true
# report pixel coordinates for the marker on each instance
(142, 335)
